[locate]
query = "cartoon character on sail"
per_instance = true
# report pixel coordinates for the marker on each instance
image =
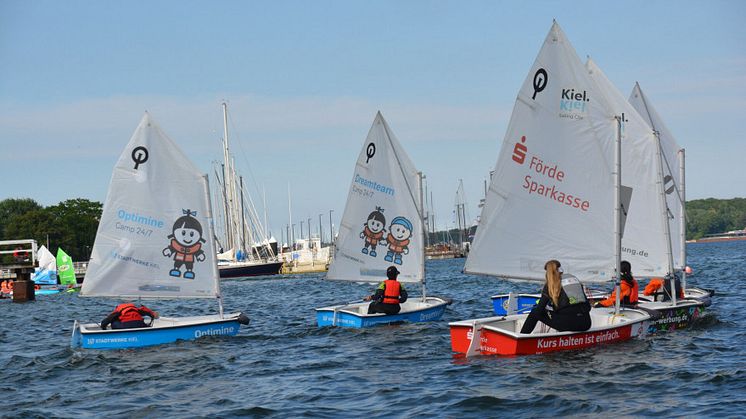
(186, 244)
(373, 231)
(400, 231)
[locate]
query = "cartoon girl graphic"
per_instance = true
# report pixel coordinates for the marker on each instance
(186, 244)
(373, 231)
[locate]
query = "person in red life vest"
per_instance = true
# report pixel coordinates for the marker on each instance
(186, 244)
(128, 316)
(629, 289)
(373, 231)
(389, 295)
(400, 231)
(20, 255)
(563, 305)
(656, 284)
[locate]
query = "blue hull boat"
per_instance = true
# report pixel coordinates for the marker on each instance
(356, 314)
(163, 330)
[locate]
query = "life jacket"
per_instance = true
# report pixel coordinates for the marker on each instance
(128, 312)
(396, 246)
(574, 290)
(185, 253)
(391, 291)
(372, 237)
(631, 297)
(656, 284)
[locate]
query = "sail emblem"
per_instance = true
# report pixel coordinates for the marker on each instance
(370, 152)
(139, 156)
(540, 81)
(519, 151)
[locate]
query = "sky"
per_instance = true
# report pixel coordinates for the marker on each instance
(303, 81)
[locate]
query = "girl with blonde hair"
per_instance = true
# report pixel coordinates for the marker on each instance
(563, 305)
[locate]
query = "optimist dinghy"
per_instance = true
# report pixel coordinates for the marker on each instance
(557, 194)
(382, 226)
(154, 241)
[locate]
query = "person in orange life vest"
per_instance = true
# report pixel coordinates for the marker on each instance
(373, 231)
(389, 294)
(128, 316)
(629, 289)
(656, 284)
(563, 305)
(400, 231)
(6, 287)
(186, 244)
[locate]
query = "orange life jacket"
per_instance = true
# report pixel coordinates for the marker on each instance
(128, 312)
(656, 284)
(628, 294)
(391, 291)
(372, 237)
(184, 253)
(396, 246)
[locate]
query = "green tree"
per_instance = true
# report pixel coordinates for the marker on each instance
(13, 207)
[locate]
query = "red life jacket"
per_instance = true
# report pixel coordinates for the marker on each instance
(391, 291)
(128, 312)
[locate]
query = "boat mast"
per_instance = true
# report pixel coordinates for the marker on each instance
(682, 218)
(422, 236)
(664, 214)
(211, 229)
(618, 210)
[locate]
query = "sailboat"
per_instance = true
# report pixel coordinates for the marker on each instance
(557, 194)
(674, 185)
(46, 273)
(155, 241)
(245, 256)
(382, 226)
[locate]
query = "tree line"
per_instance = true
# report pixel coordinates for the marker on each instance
(72, 224)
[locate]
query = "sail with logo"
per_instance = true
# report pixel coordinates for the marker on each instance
(154, 240)
(382, 226)
(651, 229)
(555, 194)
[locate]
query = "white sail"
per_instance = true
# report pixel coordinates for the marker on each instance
(645, 240)
(383, 207)
(47, 261)
(552, 193)
(671, 164)
(154, 239)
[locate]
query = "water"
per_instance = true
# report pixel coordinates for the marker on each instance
(283, 365)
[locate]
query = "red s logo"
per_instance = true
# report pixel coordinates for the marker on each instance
(519, 151)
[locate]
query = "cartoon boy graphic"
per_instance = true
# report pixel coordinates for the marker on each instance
(400, 231)
(373, 231)
(186, 244)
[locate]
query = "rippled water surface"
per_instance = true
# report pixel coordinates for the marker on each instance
(283, 365)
